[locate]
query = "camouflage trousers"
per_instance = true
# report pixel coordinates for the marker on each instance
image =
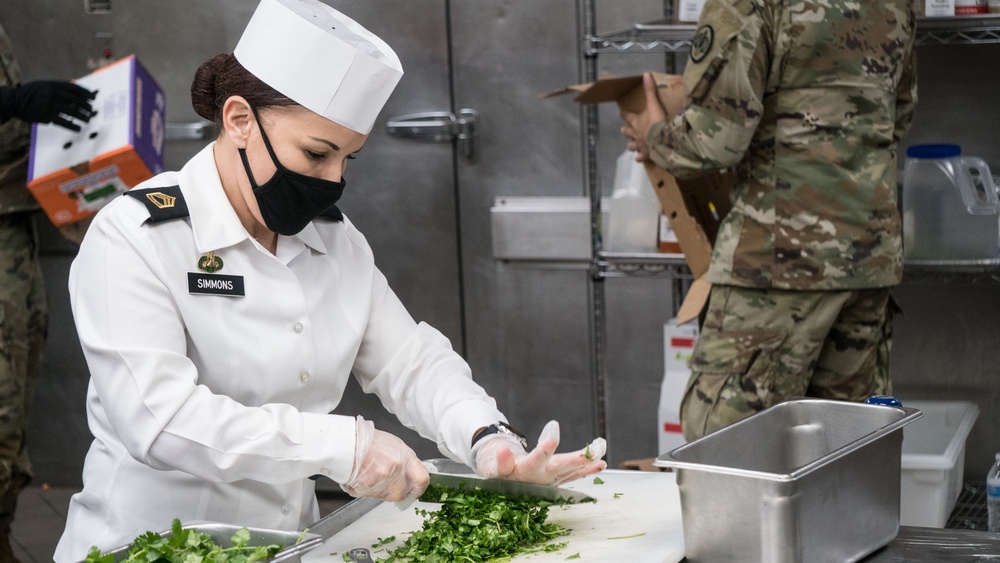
(23, 319)
(758, 347)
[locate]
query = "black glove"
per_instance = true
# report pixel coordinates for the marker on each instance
(47, 101)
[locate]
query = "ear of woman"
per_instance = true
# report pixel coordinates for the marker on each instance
(237, 120)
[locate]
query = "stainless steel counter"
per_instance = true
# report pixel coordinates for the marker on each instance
(940, 545)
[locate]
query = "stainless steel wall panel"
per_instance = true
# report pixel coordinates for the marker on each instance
(541, 228)
(544, 373)
(505, 54)
(637, 309)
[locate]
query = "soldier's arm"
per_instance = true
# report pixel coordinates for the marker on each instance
(726, 79)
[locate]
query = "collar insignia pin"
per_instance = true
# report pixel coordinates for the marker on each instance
(210, 262)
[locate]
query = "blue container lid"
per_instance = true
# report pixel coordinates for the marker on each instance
(884, 400)
(933, 151)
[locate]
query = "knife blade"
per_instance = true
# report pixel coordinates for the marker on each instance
(555, 495)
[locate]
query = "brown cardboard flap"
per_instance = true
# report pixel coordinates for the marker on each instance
(608, 89)
(694, 301)
(628, 92)
(695, 209)
(565, 90)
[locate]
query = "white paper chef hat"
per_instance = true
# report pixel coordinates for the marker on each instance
(321, 59)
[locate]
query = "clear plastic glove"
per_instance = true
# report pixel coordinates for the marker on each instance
(384, 467)
(48, 101)
(499, 456)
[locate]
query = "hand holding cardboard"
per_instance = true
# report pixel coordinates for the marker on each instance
(637, 124)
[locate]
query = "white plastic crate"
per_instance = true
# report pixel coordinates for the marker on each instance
(933, 461)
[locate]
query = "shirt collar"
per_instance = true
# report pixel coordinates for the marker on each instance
(213, 220)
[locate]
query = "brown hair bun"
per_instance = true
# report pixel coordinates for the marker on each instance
(203, 91)
(222, 77)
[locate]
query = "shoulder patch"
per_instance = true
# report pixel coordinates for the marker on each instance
(702, 43)
(163, 204)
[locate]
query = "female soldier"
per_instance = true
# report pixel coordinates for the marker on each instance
(221, 316)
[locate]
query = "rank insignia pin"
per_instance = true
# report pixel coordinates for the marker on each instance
(161, 200)
(210, 263)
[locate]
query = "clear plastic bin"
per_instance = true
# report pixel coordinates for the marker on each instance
(933, 461)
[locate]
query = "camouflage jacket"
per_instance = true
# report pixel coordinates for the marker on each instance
(807, 99)
(15, 138)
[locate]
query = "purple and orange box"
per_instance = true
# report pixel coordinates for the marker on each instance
(72, 175)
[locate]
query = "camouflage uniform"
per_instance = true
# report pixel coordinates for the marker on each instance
(23, 314)
(807, 100)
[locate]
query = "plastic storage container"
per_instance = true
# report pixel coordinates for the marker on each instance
(933, 461)
(634, 210)
(950, 205)
(805, 480)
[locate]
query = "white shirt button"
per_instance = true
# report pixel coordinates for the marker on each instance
(286, 509)
(304, 377)
(298, 327)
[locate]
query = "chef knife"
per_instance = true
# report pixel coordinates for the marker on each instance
(555, 495)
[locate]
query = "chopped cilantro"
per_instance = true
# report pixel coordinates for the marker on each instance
(189, 545)
(628, 537)
(598, 481)
(478, 526)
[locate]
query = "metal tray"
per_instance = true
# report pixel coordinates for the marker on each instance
(806, 480)
(222, 533)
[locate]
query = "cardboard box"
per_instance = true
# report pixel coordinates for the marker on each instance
(668, 416)
(938, 8)
(678, 345)
(688, 11)
(667, 238)
(695, 208)
(72, 175)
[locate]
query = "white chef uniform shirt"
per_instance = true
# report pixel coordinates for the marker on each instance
(210, 407)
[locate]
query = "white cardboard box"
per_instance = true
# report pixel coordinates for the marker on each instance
(933, 461)
(678, 344)
(688, 11)
(669, 435)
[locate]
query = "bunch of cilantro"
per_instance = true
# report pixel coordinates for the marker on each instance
(478, 526)
(189, 546)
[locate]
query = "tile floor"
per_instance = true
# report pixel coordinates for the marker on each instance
(38, 523)
(41, 515)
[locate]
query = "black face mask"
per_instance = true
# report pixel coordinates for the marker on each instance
(289, 201)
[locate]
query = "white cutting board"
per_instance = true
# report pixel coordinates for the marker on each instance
(647, 503)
